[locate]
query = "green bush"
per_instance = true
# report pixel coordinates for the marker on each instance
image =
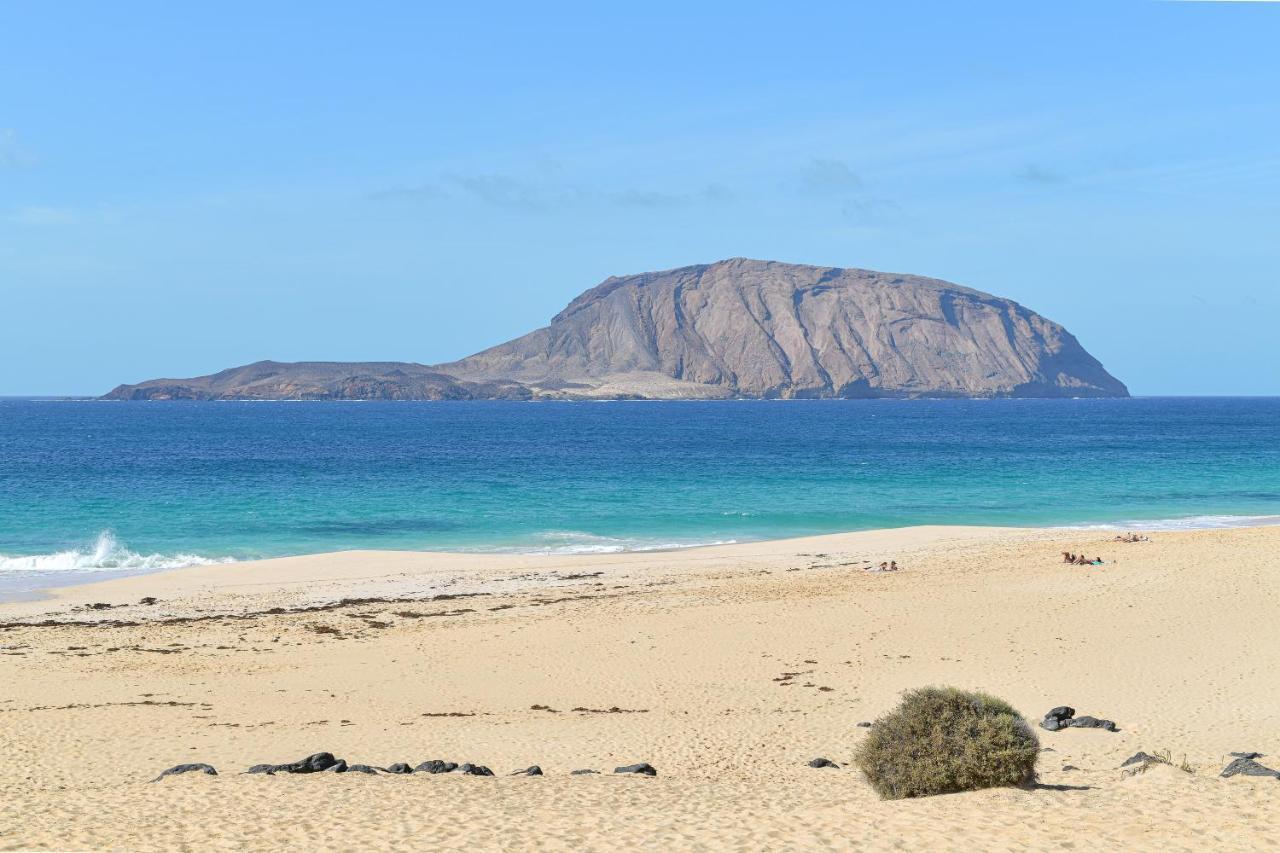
(941, 740)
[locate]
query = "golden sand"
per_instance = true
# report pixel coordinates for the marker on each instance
(679, 659)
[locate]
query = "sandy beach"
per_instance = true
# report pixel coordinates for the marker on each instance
(727, 668)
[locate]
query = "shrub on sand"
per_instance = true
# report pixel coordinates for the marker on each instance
(941, 740)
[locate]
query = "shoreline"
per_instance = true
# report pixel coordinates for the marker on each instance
(365, 569)
(1202, 521)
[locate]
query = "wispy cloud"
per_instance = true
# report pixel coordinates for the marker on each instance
(710, 194)
(491, 188)
(827, 177)
(500, 190)
(1033, 173)
(414, 193)
(509, 192)
(869, 210)
(836, 180)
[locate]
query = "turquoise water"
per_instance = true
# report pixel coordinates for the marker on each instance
(87, 487)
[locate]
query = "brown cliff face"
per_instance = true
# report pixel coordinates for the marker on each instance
(736, 328)
(764, 329)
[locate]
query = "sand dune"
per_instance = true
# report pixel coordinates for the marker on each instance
(1175, 639)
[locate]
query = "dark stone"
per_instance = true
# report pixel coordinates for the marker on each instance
(339, 767)
(584, 772)
(1143, 758)
(206, 769)
(823, 762)
(1066, 767)
(435, 765)
(1246, 754)
(864, 725)
(642, 769)
(149, 600)
(535, 770)
(470, 769)
(317, 763)
(399, 767)
(1248, 767)
(1063, 717)
(362, 768)
(1090, 723)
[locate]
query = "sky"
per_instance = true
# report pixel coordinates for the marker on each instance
(188, 187)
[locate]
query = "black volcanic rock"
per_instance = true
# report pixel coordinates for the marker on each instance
(639, 769)
(1063, 717)
(317, 763)
(187, 768)
(533, 770)
(435, 765)
(1248, 767)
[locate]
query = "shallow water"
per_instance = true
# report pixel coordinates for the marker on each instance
(88, 487)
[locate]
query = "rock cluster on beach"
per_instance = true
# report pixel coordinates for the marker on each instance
(325, 762)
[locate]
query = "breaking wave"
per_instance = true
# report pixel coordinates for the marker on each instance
(105, 554)
(1194, 522)
(574, 542)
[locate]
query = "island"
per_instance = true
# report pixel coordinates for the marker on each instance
(733, 329)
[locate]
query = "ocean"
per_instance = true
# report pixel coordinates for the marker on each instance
(92, 489)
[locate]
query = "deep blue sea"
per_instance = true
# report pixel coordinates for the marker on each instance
(91, 488)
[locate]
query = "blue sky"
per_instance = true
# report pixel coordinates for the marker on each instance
(187, 187)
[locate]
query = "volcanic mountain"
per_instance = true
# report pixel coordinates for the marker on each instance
(732, 329)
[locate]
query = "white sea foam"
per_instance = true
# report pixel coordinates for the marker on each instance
(105, 554)
(575, 542)
(1194, 522)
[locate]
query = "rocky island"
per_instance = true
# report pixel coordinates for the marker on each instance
(737, 328)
